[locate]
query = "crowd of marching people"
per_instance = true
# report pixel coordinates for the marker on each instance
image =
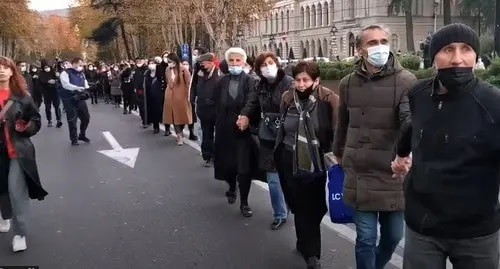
(417, 154)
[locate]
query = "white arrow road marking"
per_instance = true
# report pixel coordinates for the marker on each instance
(126, 156)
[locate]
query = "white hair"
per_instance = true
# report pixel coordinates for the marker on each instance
(235, 50)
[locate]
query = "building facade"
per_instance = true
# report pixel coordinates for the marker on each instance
(327, 28)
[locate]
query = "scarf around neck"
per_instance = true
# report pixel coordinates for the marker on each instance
(307, 153)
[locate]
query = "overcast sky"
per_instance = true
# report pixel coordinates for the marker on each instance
(50, 4)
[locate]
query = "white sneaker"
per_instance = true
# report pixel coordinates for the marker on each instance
(19, 243)
(4, 225)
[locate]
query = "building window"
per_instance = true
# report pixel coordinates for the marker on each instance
(282, 21)
(313, 17)
(308, 17)
(288, 20)
(351, 9)
(302, 18)
(320, 15)
(326, 11)
(395, 42)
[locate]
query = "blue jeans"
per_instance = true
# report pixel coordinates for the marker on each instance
(277, 198)
(368, 254)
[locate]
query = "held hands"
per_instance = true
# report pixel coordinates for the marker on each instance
(401, 166)
(242, 122)
(22, 126)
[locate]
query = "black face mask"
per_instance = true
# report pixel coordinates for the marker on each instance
(305, 94)
(456, 78)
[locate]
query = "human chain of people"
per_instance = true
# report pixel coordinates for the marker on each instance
(385, 153)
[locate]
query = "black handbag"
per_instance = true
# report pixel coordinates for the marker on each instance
(269, 125)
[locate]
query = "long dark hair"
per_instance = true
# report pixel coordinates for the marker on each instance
(17, 83)
(175, 58)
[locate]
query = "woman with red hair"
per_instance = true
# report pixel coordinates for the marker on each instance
(19, 180)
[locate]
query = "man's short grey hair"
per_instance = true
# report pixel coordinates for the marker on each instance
(359, 37)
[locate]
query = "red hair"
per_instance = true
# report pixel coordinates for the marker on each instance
(17, 83)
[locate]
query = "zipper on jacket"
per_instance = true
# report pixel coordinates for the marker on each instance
(440, 105)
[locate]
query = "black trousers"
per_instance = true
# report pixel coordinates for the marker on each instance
(178, 128)
(117, 99)
(207, 141)
(140, 105)
(50, 98)
(128, 100)
(77, 110)
(307, 202)
(244, 183)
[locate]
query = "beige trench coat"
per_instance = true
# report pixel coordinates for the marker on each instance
(177, 107)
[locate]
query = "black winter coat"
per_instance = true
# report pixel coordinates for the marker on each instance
(25, 107)
(235, 151)
(155, 96)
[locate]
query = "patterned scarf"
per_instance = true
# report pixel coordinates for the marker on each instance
(307, 154)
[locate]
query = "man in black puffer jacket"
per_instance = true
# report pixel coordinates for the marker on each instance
(452, 208)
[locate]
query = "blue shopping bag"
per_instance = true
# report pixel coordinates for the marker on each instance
(339, 212)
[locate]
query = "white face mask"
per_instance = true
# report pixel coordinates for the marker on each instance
(165, 59)
(23, 68)
(47, 69)
(116, 69)
(79, 68)
(152, 66)
(171, 65)
(91, 68)
(378, 55)
(269, 71)
(34, 70)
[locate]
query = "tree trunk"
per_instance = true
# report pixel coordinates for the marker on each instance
(164, 36)
(123, 32)
(446, 12)
(193, 34)
(410, 43)
(134, 45)
(117, 48)
(13, 48)
(177, 31)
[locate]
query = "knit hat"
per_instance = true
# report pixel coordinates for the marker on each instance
(206, 57)
(453, 33)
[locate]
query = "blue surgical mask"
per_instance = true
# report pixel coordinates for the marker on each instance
(235, 70)
(378, 55)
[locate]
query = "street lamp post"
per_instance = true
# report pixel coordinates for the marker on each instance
(333, 45)
(271, 43)
(436, 6)
(239, 36)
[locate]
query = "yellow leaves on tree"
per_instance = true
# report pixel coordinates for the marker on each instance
(59, 35)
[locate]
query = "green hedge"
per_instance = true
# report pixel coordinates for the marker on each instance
(338, 70)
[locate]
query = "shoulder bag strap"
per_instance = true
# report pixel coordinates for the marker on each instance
(5, 109)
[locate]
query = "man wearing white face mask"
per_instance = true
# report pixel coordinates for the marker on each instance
(74, 96)
(373, 106)
(235, 150)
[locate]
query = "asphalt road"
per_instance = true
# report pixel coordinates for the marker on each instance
(166, 212)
